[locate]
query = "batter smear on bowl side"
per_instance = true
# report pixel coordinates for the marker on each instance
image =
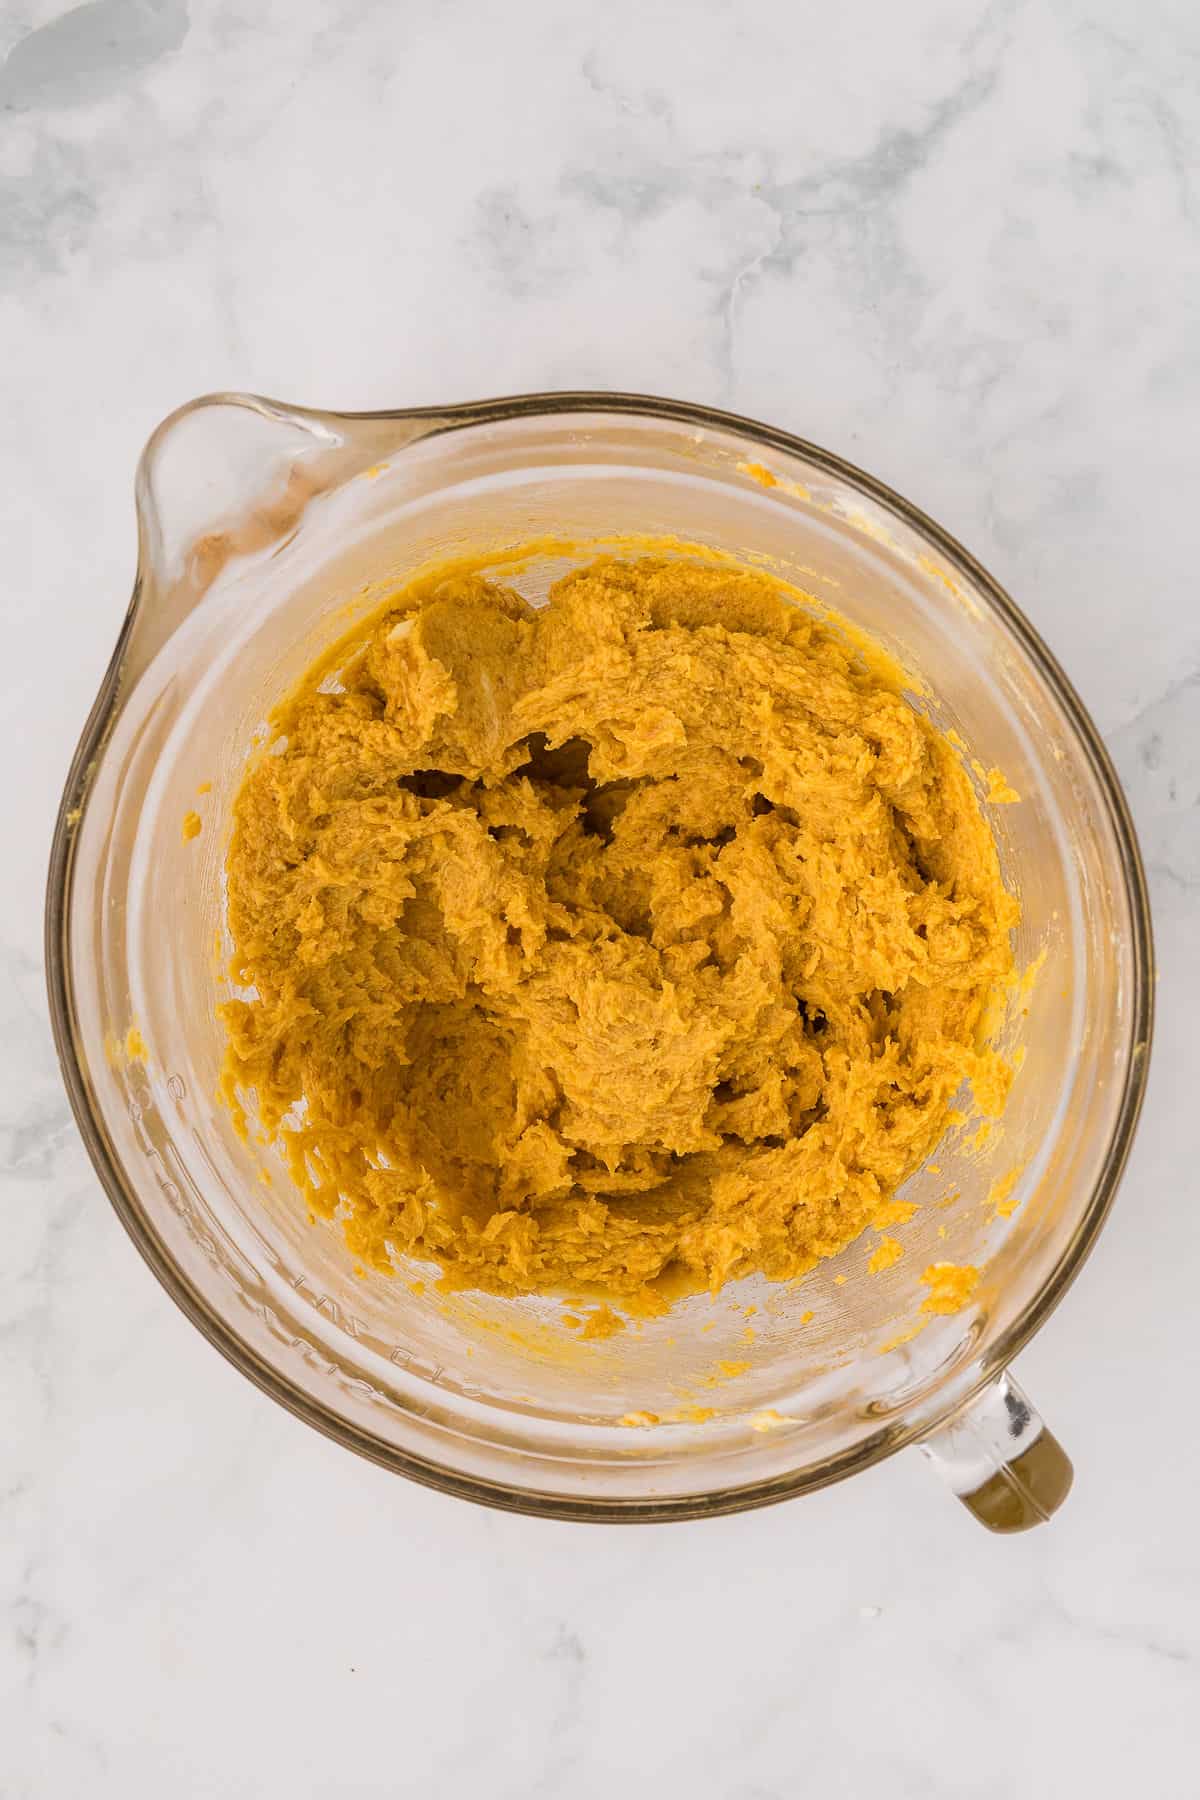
(648, 932)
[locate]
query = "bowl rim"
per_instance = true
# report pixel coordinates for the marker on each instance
(60, 988)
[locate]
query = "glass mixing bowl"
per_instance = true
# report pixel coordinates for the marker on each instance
(264, 531)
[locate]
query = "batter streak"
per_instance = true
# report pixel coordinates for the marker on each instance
(648, 933)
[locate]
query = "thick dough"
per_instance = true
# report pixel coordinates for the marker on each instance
(643, 937)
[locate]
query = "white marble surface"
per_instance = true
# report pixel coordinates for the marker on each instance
(959, 243)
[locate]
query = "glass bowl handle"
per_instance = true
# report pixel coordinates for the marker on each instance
(1003, 1463)
(231, 474)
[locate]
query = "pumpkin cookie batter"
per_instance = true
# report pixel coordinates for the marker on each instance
(648, 932)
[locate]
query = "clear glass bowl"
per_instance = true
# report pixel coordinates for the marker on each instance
(264, 530)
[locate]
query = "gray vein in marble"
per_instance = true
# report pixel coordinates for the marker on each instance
(641, 182)
(37, 1627)
(1173, 690)
(854, 198)
(1168, 125)
(30, 1142)
(567, 1657)
(1157, 756)
(35, 1118)
(62, 205)
(46, 212)
(1132, 1637)
(1158, 870)
(95, 1748)
(521, 250)
(882, 171)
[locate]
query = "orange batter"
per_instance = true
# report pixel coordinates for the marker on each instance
(642, 937)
